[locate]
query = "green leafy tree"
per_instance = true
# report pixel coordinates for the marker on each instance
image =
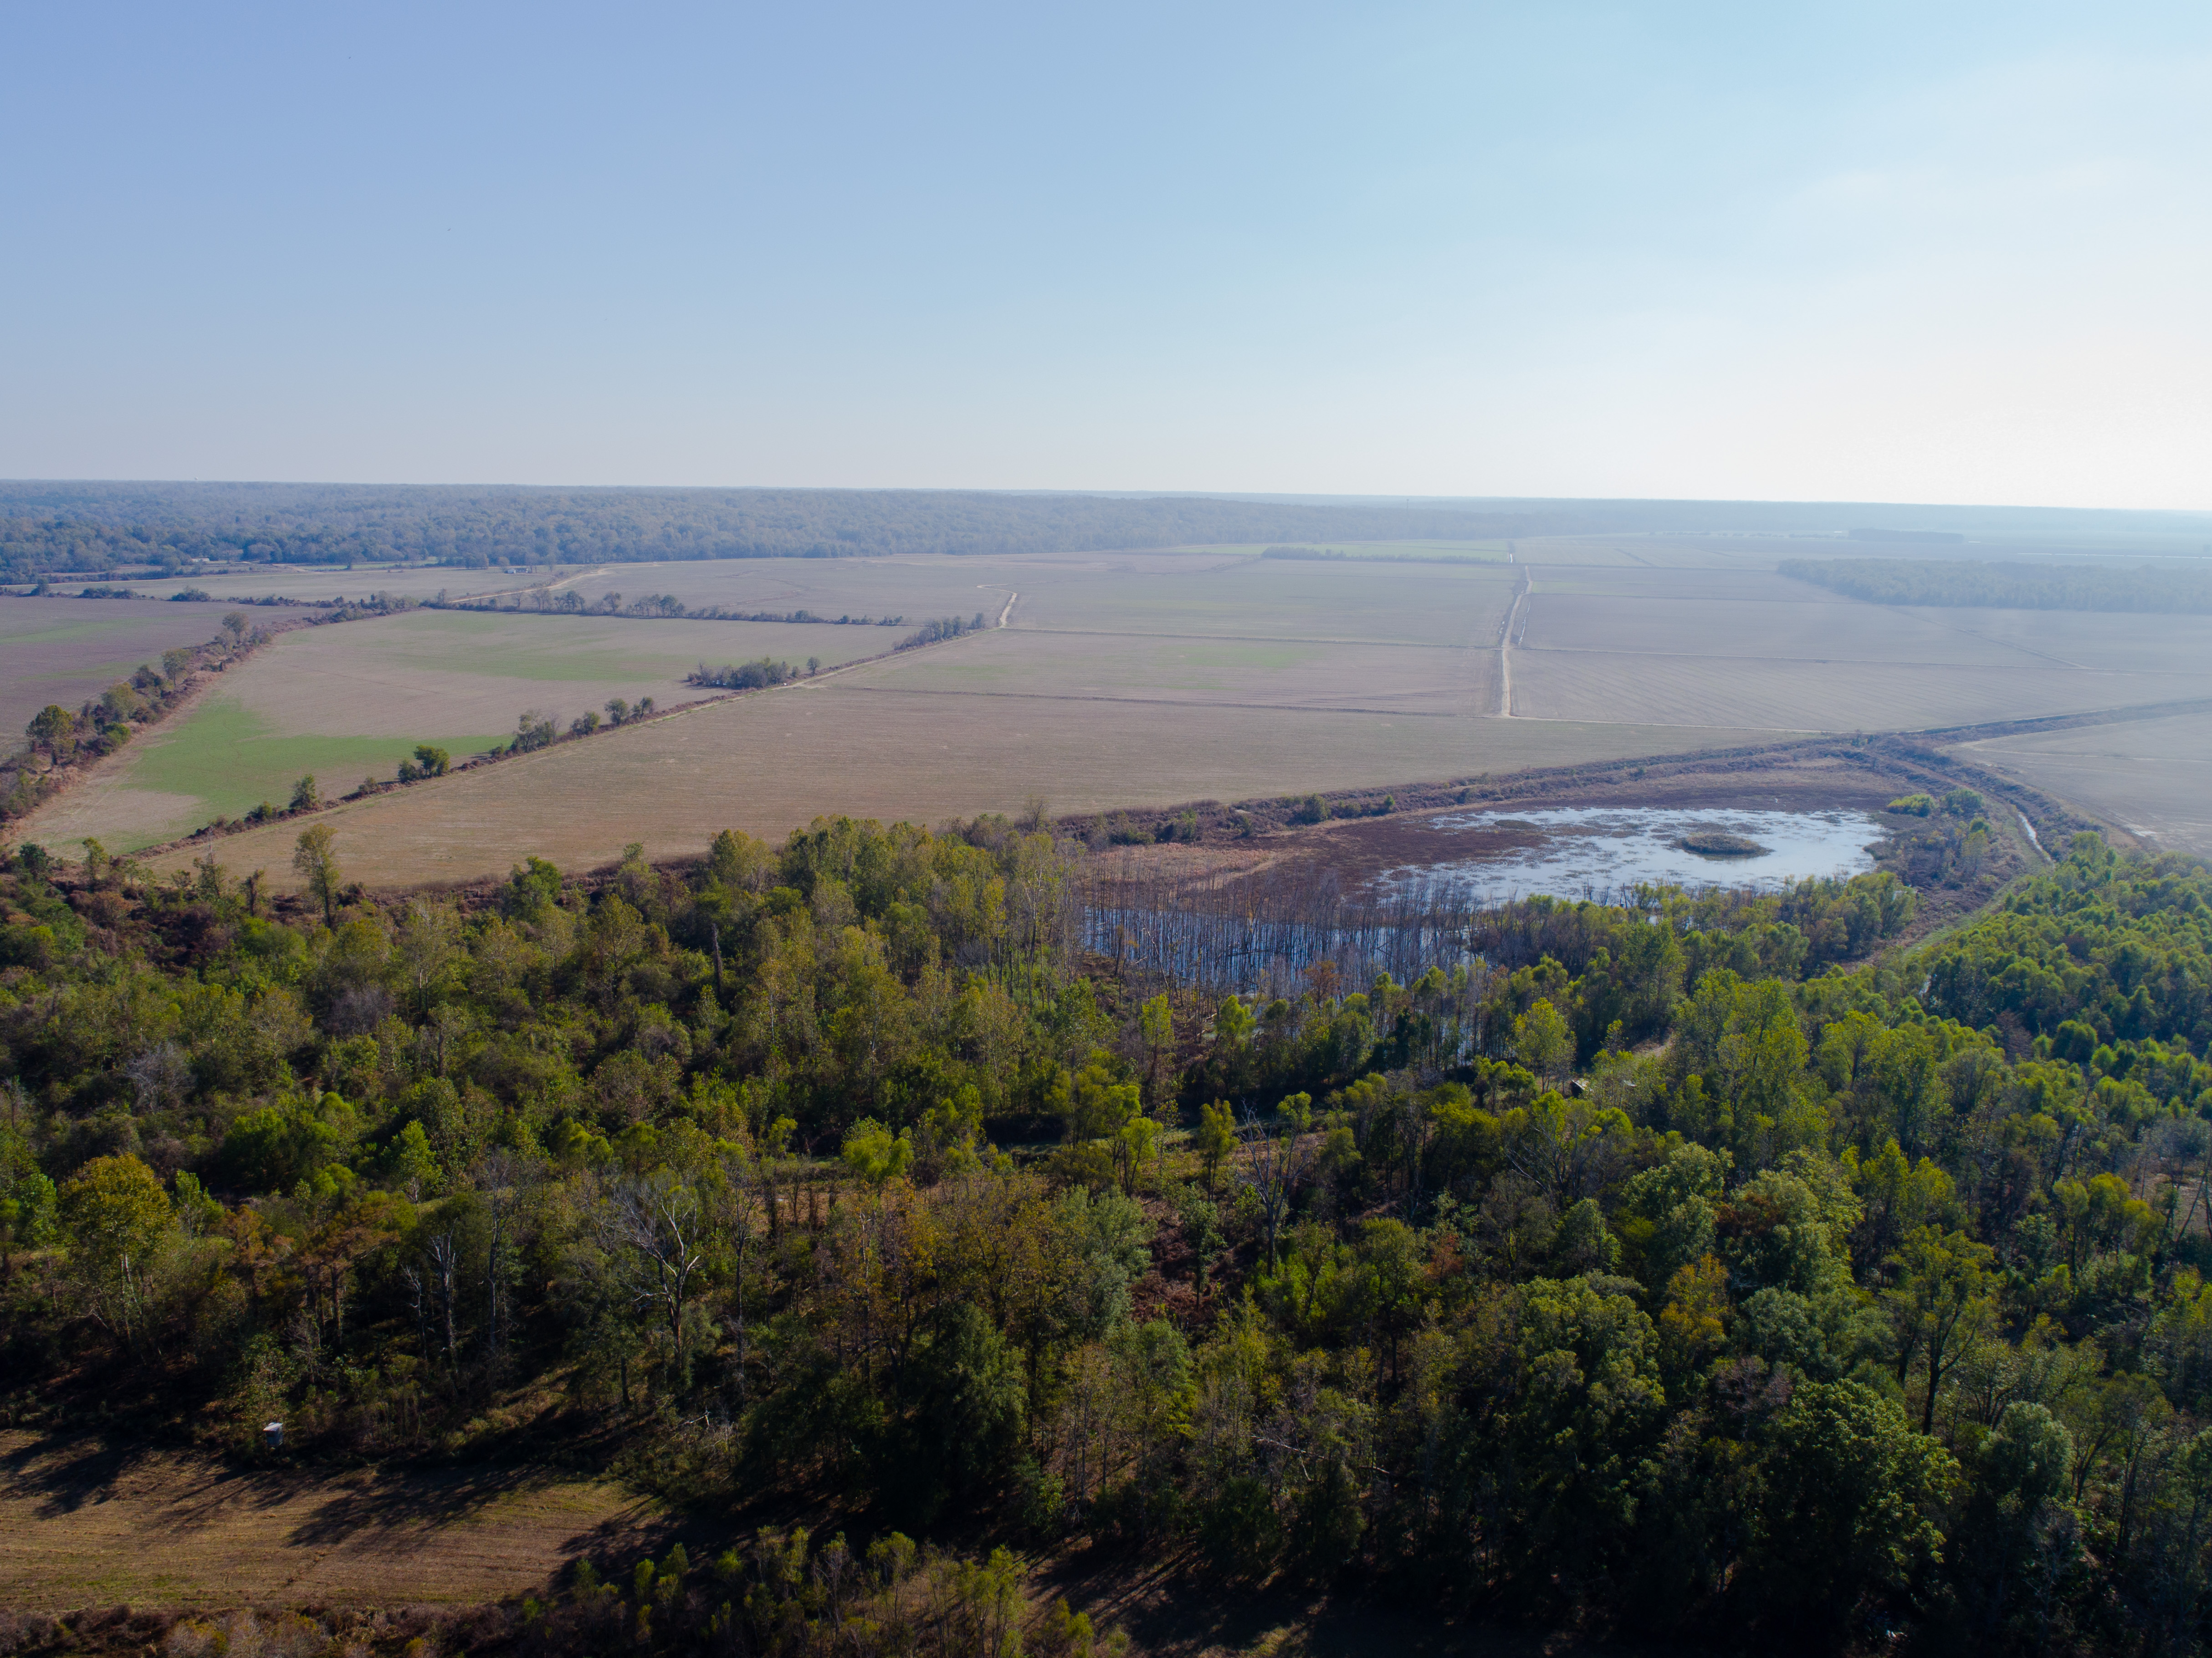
(1156, 1018)
(1543, 1041)
(1851, 1504)
(1937, 1307)
(114, 1216)
(53, 731)
(26, 1199)
(875, 1154)
(1217, 1137)
(317, 864)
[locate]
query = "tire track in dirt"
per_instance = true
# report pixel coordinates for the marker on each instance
(1505, 648)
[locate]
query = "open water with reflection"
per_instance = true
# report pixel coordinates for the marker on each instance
(1599, 852)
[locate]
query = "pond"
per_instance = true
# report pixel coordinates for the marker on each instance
(1598, 852)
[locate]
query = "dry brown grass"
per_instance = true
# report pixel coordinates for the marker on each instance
(84, 1524)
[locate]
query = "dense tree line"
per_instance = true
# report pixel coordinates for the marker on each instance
(1702, 1269)
(748, 676)
(2101, 586)
(94, 527)
(543, 600)
(942, 628)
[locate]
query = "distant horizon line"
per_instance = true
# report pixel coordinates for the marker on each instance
(1379, 499)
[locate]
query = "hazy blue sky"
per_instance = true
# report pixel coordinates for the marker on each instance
(1910, 252)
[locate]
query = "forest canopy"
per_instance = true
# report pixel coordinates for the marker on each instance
(93, 527)
(1711, 1269)
(2186, 588)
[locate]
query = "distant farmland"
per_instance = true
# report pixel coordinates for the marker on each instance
(2152, 776)
(64, 650)
(1122, 678)
(350, 702)
(1695, 646)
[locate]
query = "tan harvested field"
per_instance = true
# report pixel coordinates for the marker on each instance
(2119, 642)
(1273, 599)
(1209, 590)
(1750, 648)
(352, 699)
(770, 762)
(2152, 776)
(83, 1524)
(1290, 673)
(466, 670)
(1676, 585)
(1747, 553)
(918, 588)
(65, 650)
(1706, 627)
(1814, 696)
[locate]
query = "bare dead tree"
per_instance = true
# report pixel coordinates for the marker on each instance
(653, 1229)
(1274, 1165)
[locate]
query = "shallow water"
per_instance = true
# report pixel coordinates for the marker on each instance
(1597, 852)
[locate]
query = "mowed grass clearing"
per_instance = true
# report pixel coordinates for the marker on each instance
(83, 1524)
(351, 701)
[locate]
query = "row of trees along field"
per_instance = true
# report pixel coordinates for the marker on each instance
(55, 738)
(2185, 588)
(1674, 1273)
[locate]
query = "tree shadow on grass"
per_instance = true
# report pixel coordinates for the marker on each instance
(393, 1508)
(66, 1475)
(372, 1509)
